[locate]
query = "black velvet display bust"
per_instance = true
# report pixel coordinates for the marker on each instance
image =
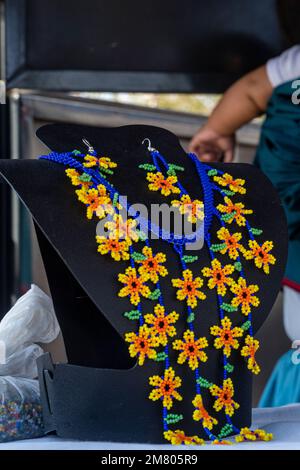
(101, 394)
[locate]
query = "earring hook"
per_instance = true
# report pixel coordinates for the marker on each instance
(90, 147)
(149, 146)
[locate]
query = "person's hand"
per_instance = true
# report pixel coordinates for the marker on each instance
(210, 146)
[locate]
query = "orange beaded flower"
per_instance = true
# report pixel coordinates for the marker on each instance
(226, 336)
(134, 285)
(165, 185)
(142, 344)
(189, 288)
(193, 209)
(97, 200)
(235, 185)
(261, 254)
(178, 438)
(117, 249)
(192, 350)
(165, 388)
(77, 179)
(224, 397)
(247, 434)
(233, 211)
(249, 351)
(218, 276)
(102, 162)
(162, 325)
(244, 295)
(152, 264)
(121, 229)
(231, 243)
(202, 414)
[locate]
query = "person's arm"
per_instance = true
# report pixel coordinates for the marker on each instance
(242, 102)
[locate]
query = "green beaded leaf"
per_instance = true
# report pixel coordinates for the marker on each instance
(191, 317)
(189, 259)
(85, 177)
(138, 256)
(147, 167)
(238, 266)
(204, 383)
(212, 172)
(171, 172)
(256, 231)
(142, 236)
(108, 171)
(173, 418)
(155, 294)
(76, 152)
(218, 246)
(228, 192)
(225, 431)
(245, 326)
(172, 166)
(228, 307)
(161, 356)
(132, 315)
(115, 199)
(229, 368)
(226, 217)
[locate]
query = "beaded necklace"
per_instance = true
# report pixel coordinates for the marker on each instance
(157, 330)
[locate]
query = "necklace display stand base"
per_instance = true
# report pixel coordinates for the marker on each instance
(101, 394)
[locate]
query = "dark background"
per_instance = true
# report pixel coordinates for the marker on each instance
(169, 45)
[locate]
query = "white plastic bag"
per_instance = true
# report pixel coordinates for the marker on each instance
(31, 320)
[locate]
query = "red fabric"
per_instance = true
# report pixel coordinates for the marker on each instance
(291, 284)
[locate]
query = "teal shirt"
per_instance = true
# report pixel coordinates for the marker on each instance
(278, 156)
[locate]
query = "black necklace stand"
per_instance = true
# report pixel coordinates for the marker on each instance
(101, 394)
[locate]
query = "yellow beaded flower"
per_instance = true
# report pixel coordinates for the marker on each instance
(193, 209)
(152, 264)
(247, 434)
(261, 254)
(224, 397)
(121, 229)
(97, 200)
(77, 179)
(221, 442)
(249, 351)
(134, 285)
(233, 211)
(178, 438)
(235, 185)
(142, 344)
(191, 349)
(218, 276)
(117, 249)
(202, 414)
(162, 325)
(226, 336)
(244, 295)
(189, 288)
(157, 182)
(101, 162)
(231, 243)
(165, 388)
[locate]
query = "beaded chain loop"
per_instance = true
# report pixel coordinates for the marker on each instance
(156, 330)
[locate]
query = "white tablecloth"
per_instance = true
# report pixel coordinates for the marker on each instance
(283, 422)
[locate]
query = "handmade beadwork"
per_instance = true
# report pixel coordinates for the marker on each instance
(156, 335)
